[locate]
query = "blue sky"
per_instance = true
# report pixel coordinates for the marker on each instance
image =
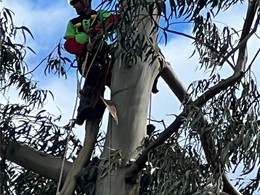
(47, 20)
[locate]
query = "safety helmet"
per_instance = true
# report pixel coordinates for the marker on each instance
(74, 1)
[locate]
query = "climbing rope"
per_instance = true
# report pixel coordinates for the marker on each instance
(150, 109)
(66, 147)
(72, 123)
(109, 157)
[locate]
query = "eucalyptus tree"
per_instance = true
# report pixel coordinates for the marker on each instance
(217, 130)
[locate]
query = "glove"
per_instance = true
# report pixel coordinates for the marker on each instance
(91, 32)
(90, 46)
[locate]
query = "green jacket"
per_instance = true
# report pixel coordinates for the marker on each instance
(79, 26)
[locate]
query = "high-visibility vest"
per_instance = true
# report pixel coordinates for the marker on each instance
(79, 26)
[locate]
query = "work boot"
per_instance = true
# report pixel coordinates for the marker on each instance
(85, 111)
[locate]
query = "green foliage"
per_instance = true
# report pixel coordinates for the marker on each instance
(56, 62)
(26, 121)
(13, 69)
(211, 44)
(216, 137)
(179, 170)
(231, 119)
(21, 181)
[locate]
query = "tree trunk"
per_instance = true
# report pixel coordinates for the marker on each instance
(131, 89)
(130, 93)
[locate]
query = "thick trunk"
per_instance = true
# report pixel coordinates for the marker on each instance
(132, 83)
(131, 90)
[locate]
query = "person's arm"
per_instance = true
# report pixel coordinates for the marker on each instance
(109, 23)
(74, 42)
(73, 47)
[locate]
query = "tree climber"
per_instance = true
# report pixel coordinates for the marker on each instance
(85, 37)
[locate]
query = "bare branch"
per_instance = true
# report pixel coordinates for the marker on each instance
(251, 63)
(246, 34)
(174, 83)
(46, 165)
(228, 187)
(83, 158)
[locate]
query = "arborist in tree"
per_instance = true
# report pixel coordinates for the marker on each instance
(85, 37)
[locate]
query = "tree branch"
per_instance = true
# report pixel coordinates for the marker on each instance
(251, 12)
(174, 83)
(180, 119)
(83, 158)
(46, 165)
(174, 127)
(179, 90)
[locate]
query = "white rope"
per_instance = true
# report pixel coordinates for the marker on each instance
(150, 109)
(66, 147)
(109, 156)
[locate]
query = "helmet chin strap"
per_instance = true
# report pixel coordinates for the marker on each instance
(85, 7)
(83, 4)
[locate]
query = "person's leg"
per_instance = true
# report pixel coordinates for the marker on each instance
(85, 110)
(94, 83)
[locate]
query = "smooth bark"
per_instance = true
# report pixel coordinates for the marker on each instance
(131, 89)
(45, 165)
(91, 129)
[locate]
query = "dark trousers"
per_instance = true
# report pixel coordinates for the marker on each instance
(94, 66)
